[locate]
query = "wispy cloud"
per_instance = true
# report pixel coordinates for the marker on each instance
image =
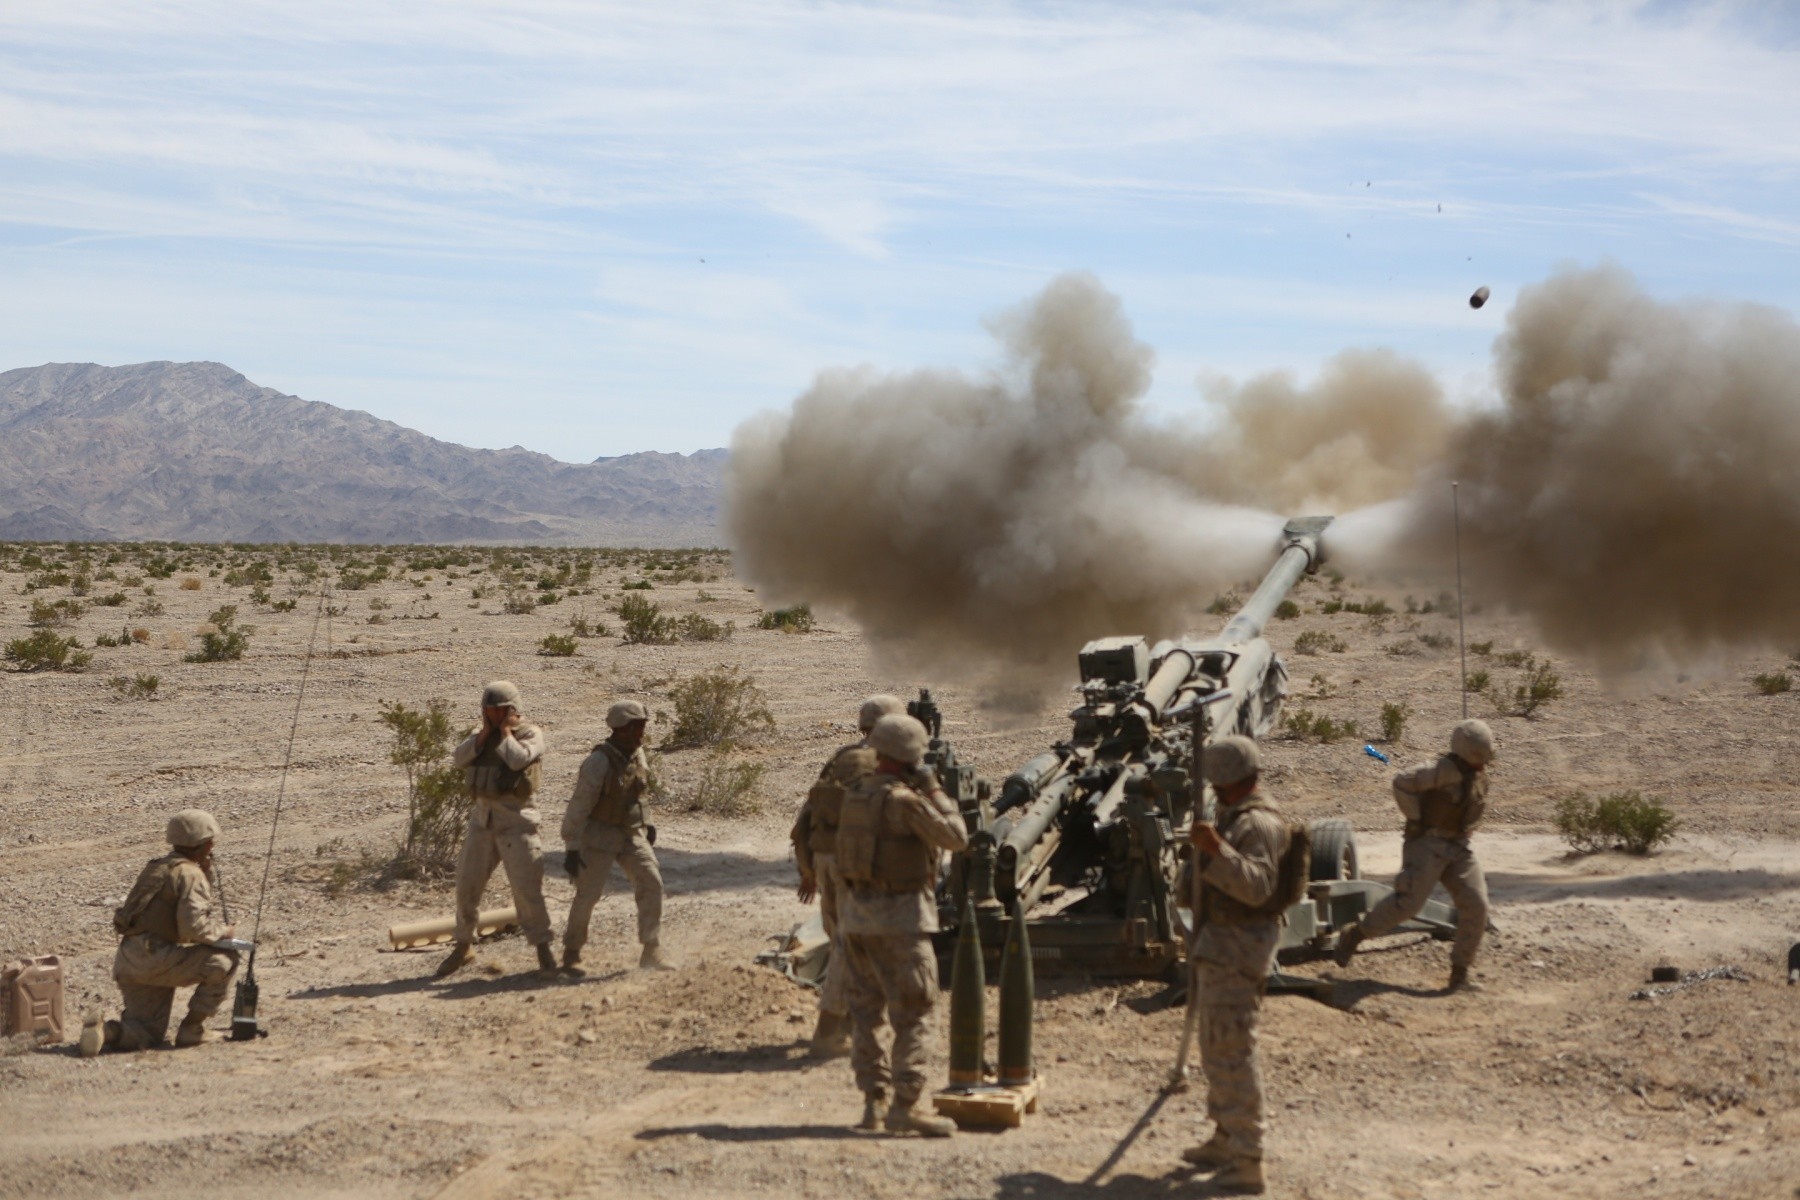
(520, 158)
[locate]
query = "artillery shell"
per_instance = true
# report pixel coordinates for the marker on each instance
(1479, 298)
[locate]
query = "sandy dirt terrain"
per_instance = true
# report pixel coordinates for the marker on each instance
(378, 1080)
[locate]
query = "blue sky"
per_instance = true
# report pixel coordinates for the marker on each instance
(592, 229)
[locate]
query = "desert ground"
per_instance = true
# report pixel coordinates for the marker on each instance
(378, 1080)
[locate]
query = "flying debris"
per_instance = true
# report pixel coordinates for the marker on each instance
(1479, 298)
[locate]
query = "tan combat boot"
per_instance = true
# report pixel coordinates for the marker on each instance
(1210, 1153)
(1460, 981)
(1241, 1177)
(875, 1107)
(571, 961)
(192, 1032)
(652, 958)
(546, 959)
(460, 956)
(907, 1118)
(831, 1037)
(1347, 943)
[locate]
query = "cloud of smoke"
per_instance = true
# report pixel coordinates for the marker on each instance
(965, 522)
(1361, 434)
(1638, 492)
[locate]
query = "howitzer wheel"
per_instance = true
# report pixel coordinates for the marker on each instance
(1334, 851)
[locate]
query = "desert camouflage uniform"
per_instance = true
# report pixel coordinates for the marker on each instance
(815, 843)
(605, 822)
(886, 933)
(1443, 803)
(503, 828)
(166, 923)
(1233, 953)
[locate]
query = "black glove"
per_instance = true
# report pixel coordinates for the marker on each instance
(650, 834)
(572, 862)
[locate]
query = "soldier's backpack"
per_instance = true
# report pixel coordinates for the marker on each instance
(1294, 871)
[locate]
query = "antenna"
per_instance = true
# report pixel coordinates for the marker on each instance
(1462, 651)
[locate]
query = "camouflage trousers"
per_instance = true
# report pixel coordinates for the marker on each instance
(1233, 1084)
(833, 992)
(148, 970)
(499, 834)
(1424, 863)
(892, 979)
(601, 847)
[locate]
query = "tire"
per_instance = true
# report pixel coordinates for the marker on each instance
(1334, 851)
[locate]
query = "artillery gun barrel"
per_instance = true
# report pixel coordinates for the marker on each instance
(1300, 556)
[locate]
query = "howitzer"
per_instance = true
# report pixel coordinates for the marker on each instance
(1086, 837)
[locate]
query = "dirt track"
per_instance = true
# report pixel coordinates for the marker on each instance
(380, 1081)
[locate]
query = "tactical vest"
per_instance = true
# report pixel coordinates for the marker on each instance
(1452, 812)
(825, 802)
(490, 778)
(1293, 867)
(871, 852)
(622, 795)
(150, 908)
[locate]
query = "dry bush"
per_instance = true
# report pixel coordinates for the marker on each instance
(728, 789)
(719, 708)
(190, 583)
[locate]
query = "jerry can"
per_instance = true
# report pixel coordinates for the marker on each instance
(31, 998)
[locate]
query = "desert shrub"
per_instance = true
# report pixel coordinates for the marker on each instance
(110, 600)
(136, 687)
(1537, 686)
(287, 605)
(1477, 682)
(1482, 648)
(581, 627)
(47, 651)
(437, 801)
(377, 604)
(1223, 606)
(720, 707)
(1774, 684)
(140, 635)
(697, 628)
(223, 640)
(637, 585)
(1370, 608)
(1403, 649)
(557, 645)
(1287, 610)
(1437, 641)
(1515, 658)
(112, 639)
(190, 583)
(1621, 820)
(704, 596)
(1303, 723)
(45, 613)
(798, 619)
(726, 788)
(1316, 641)
(1393, 721)
(644, 621)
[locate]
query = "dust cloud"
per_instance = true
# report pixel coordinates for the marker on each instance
(1635, 490)
(1637, 493)
(1362, 434)
(967, 522)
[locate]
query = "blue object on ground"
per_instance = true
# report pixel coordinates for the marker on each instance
(1372, 752)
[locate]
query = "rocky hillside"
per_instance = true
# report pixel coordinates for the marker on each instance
(197, 452)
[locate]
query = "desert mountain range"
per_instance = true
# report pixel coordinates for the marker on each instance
(196, 452)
